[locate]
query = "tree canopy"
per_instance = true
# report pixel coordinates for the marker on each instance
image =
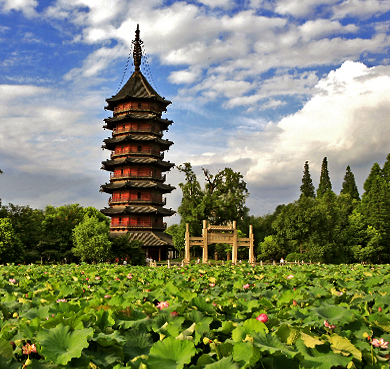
(307, 187)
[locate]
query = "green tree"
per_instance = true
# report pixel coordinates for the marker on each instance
(386, 169)
(307, 187)
(27, 223)
(325, 183)
(58, 225)
(349, 185)
(11, 248)
(177, 231)
(130, 250)
(269, 250)
(221, 200)
(376, 171)
(91, 240)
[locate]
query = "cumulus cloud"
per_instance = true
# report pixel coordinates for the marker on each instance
(25, 6)
(347, 120)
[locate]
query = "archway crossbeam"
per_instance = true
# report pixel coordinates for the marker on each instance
(219, 234)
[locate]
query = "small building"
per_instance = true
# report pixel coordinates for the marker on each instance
(136, 165)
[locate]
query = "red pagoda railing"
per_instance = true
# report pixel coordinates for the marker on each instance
(117, 200)
(143, 176)
(124, 224)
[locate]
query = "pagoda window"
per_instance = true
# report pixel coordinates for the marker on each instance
(139, 195)
(139, 221)
(139, 148)
(139, 105)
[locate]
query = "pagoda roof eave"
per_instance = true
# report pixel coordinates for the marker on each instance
(133, 209)
(127, 138)
(137, 87)
(112, 163)
(135, 116)
(110, 187)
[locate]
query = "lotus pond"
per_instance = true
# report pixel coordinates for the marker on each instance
(215, 317)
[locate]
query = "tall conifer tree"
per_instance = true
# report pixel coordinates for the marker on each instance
(375, 171)
(307, 188)
(386, 169)
(325, 184)
(349, 185)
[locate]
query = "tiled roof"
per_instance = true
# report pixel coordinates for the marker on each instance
(129, 137)
(130, 209)
(136, 160)
(152, 238)
(136, 87)
(109, 187)
(143, 116)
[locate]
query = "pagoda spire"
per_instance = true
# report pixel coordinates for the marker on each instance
(137, 52)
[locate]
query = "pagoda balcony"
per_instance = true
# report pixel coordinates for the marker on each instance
(138, 176)
(145, 225)
(127, 200)
(151, 128)
(137, 152)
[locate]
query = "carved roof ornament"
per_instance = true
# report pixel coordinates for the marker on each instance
(137, 51)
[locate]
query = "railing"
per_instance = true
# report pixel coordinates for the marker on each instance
(124, 224)
(151, 128)
(143, 176)
(118, 200)
(136, 152)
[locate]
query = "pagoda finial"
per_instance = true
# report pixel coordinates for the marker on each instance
(137, 52)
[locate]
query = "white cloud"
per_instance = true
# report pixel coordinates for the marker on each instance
(225, 4)
(324, 27)
(363, 8)
(300, 8)
(348, 121)
(25, 6)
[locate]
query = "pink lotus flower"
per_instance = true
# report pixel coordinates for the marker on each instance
(290, 276)
(245, 286)
(12, 280)
(379, 343)
(129, 276)
(163, 304)
(87, 279)
(262, 318)
(214, 304)
(28, 349)
(107, 296)
(61, 300)
(174, 314)
(212, 284)
(330, 326)
(97, 277)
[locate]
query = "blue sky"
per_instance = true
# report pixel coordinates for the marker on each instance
(258, 86)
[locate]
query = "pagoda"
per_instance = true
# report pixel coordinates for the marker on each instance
(136, 165)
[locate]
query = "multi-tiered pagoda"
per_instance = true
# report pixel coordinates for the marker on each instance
(137, 166)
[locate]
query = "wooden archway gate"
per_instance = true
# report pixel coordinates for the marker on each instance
(219, 234)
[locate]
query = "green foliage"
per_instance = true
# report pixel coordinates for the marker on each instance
(11, 247)
(91, 240)
(269, 250)
(177, 231)
(222, 199)
(60, 346)
(130, 250)
(318, 316)
(325, 183)
(349, 185)
(296, 256)
(307, 187)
